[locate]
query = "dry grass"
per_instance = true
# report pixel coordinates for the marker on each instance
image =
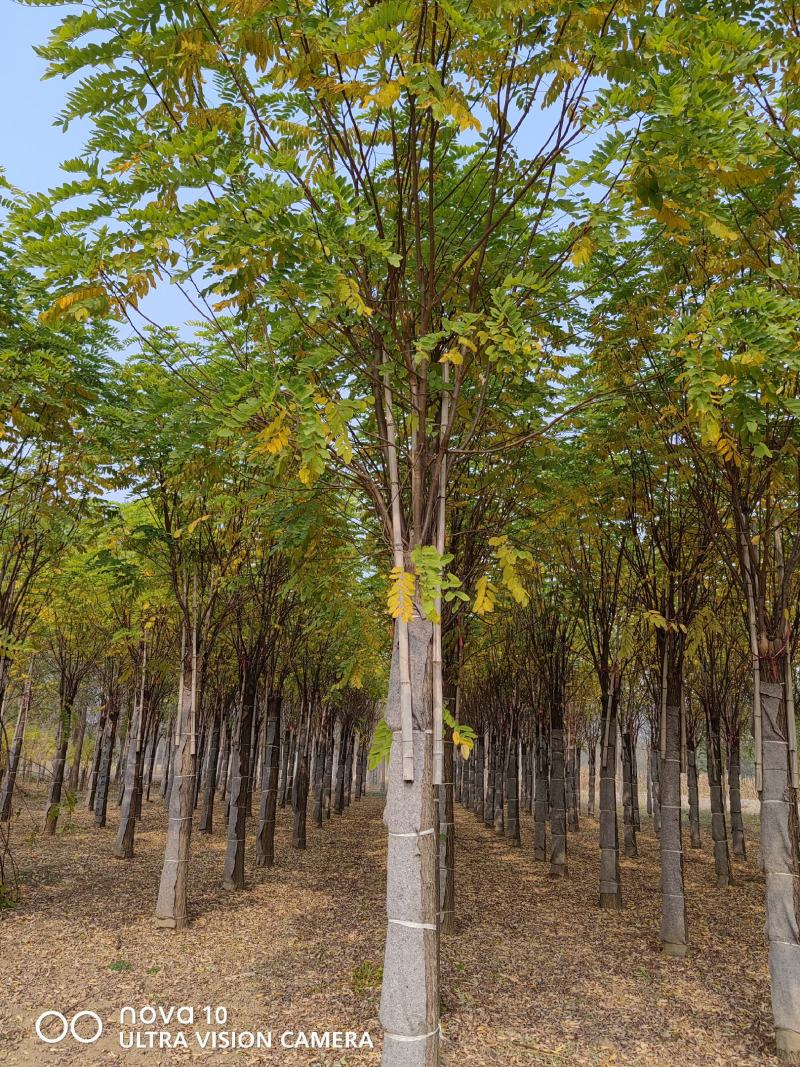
(537, 975)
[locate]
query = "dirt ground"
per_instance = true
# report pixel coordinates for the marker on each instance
(536, 974)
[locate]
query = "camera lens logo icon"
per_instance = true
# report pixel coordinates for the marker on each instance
(68, 1026)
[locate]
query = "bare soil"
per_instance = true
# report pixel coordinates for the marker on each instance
(535, 975)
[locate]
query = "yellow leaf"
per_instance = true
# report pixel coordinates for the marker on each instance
(582, 251)
(452, 355)
(274, 437)
(195, 523)
(387, 94)
(400, 598)
(484, 597)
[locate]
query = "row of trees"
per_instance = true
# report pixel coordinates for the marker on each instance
(500, 301)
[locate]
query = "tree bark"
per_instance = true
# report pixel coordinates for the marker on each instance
(576, 786)
(694, 792)
(735, 791)
(57, 780)
(649, 787)
(348, 771)
(123, 846)
(169, 752)
(674, 929)
(780, 851)
(491, 772)
(655, 783)
(206, 825)
(78, 734)
(610, 881)
(265, 838)
(540, 796)
(629, 827)
(558, 814)
(300, 789)
(341, 756)
(224, 761)
(637, 821)
(151, 762)
(104, 767)
(498, 800)
(10, 777)
(233, 873)
(719, 834)
(360, 768)
(96, 757)
(171, 906)
(479, 791)
(318, 814)
(447, 838)
(512, 783)
(590, 806)
(409, 1009)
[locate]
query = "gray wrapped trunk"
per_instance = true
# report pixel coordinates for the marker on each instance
(409, 1009)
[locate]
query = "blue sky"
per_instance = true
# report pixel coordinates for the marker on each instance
(30, 146)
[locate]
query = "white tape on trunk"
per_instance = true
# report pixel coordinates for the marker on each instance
(404, 1037)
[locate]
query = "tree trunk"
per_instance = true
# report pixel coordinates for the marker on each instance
(479, 792)
(637, 821)
(719, 834)
(171, 906)
(328, 780)
(199, 764)
(360, 768)
(123, 741)
(151, 762)
(674, 930)
(498, 800)
(206, 825)
(735, 791)
(512, 784)
(169, 752)
(409, 1010)
(590, 803)
(447, 838)
(98, 752)
(610, 881)
(569, 785)
(123, 846)
(348, 771)
(252, 757)
(540, 796)
(288, 765)
(10, 777)
(57, 779)
(780, 851)
(629, 827)
(225, 761)
(655, 780)
(233, 873)
(491, 771)
(576, 787)
(318, 778)
(558, 814)
(104, 767)
(341, 756)
(265, 838)
(78, 734)
(300, 789)
(694, 792)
